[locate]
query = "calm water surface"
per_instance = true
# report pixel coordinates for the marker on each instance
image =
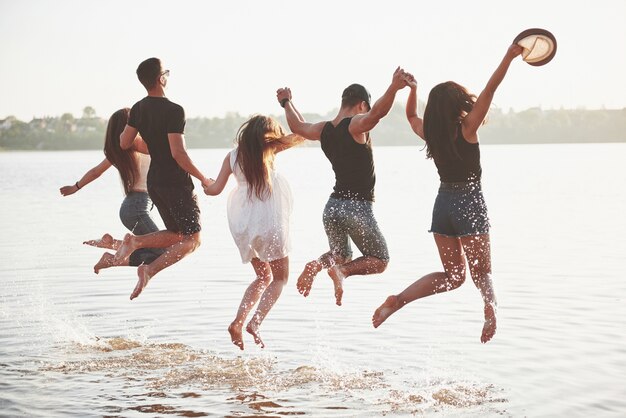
(72, 344)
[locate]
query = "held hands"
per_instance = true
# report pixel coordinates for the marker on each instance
(398, 81)
(410, 81)
(283, 94)
(206, 183)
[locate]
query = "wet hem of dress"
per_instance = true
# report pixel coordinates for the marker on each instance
(264, 261)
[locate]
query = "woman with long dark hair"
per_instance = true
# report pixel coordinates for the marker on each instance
(258, 216)
(132, 166)
(460, 224)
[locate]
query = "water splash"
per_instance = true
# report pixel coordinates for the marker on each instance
(257, 382)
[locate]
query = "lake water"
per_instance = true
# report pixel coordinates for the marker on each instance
(73, 344)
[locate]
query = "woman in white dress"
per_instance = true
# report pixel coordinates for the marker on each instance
(258, 216)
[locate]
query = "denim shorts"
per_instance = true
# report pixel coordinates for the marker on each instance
(460, 210)
(345, 220)
(135, 215)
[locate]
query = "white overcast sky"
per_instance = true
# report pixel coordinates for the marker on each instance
(59, 56)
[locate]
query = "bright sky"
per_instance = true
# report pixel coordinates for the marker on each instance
(60, 56)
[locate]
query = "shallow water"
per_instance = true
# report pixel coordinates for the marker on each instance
(72, 344)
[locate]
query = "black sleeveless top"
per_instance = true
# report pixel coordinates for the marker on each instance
(452, 169)
(352, 162)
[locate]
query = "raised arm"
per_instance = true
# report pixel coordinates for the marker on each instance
(216, 187)
(179, 153)
(417, 124)
(363, 123)
(87, 178)
(474, 119)
(127, 137)
(296, 122)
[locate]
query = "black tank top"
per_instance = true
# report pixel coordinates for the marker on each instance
(452, 169)
(352, 162)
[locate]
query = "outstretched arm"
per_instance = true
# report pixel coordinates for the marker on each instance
(87, 178)
(296, 122)
(215, 188)
(363, 123)
(474, 119)
(417, 124)
(179, 153)
(127, 137)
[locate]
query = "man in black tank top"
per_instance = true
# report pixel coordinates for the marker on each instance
(161, 125)
(348, 215)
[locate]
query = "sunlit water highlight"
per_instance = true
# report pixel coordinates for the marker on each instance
(72, 344)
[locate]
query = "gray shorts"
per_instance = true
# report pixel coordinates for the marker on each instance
(346, 220)
(135, 215)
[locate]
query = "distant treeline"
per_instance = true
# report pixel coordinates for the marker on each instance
(529, 126)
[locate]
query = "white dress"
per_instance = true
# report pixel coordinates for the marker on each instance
(260, 228)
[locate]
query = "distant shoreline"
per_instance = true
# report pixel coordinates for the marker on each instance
(531, 126)
(488, 144)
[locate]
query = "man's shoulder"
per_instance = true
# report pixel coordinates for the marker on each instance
(138, 103)
(175, 109)
(175, 106)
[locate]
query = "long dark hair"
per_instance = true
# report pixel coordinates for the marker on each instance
(255, 156)
(125, 161)
(447, 105)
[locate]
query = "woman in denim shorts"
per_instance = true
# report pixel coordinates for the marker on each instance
(132, 166)
(460, 224)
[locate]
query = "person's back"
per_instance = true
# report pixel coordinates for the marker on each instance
(461, 166)
(348, 215)
(352, 162)
(161, 124)
(155, 118)
(143, 165)
(258, 213)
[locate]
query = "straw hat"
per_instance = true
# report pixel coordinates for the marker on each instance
(539, 46)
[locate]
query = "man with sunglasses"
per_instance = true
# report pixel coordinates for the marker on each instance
(161, 124)
(348, 215)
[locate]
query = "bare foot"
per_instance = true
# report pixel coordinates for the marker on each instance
(305, 281)
(107, 241)
(385, 310)
(142, 282)
(335, 273)
(489, 329)
(106, 261)
(253, 329)
(125, 250)
(235, 334)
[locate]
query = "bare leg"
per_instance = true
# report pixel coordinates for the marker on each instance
(360, 267)
(250, 298)
(160, 239)
(172, 254)
(107, 241)
(453, 260)
(280, 274)
(478, 251)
